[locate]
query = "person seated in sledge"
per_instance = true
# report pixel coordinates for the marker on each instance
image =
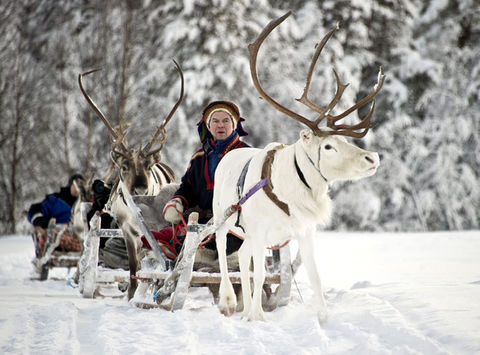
(112, 251)
(220, 130)
(101, 194)
(57, 205)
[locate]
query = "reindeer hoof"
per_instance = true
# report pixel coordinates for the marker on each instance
(255, 316)
(227, 311)
(228, 306)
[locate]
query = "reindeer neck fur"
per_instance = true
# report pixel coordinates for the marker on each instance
(311, 203)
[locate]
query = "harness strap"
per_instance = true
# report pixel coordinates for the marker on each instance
(238, 206)
(255, 188)
(241, 178)
(167, 172)
(300, 174)
(265, 183)
(155, 175)
(267, 174)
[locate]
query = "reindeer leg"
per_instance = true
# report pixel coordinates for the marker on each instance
(306, 247)
(256, 311)
(132, 260)
(227, 303)
(244, 257)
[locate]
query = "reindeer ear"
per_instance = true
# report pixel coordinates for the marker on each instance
(152, 159)
(157, 157)
(306, 135)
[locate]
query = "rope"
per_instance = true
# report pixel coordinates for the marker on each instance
(279, 246)
(183, 219)
(206, 240)
(182, 228)
(141, 279)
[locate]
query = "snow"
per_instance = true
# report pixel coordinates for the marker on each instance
(386, 294)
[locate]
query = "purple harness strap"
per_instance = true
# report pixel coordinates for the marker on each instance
(241, 183)
(241, 178)
(254, 189)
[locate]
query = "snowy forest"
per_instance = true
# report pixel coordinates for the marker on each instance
(427, 126)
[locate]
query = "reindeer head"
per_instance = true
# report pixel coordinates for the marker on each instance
(326, 148)
(336, 159)
(134, 167)
(134, 164)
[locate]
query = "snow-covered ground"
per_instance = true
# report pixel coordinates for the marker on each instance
(386, 294)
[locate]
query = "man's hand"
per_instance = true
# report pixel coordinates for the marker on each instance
(172, 210)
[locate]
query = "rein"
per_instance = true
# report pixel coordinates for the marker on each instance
(313, 164)
(182, 228)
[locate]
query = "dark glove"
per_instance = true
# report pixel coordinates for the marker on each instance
(40, 221)
(101, 193)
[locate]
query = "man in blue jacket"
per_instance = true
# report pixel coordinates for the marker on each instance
(57, 205)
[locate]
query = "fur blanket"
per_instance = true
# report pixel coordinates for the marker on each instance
(152, 206)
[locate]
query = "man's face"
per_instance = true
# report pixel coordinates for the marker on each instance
(221, 125)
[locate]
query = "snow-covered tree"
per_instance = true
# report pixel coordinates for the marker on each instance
(427, 130)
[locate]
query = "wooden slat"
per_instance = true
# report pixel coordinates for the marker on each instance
(206, 278)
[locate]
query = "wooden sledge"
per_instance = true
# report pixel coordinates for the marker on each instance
(90, 278)
(94, 280)
(170, 289)
(48, 257)
(166, 284)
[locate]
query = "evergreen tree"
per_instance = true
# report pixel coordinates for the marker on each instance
(427, 130)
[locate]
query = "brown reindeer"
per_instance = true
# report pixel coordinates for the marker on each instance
(140, 172)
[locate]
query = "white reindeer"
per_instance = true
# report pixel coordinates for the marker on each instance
(295, 198)
(140, 172)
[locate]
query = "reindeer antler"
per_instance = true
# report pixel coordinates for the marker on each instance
(346, 130)
(161, 130)
(117, 137)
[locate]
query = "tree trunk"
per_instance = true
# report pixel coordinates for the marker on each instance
(66, 149)
(14, 157)
(126, 60)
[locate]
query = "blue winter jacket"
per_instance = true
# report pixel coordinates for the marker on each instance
(57, 205)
